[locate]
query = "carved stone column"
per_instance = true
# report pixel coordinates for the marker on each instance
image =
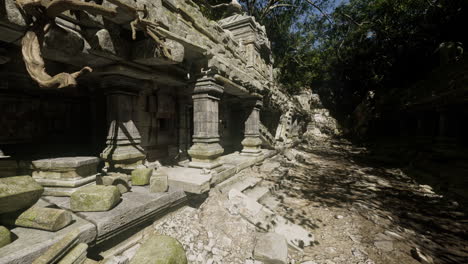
(252, 142)
(206, 148)
(123, 151)
(184, 139)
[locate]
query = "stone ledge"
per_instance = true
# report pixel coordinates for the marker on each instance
(63, 191)
(66, 162)
(65, 183)
(31, 243)
(136, 208)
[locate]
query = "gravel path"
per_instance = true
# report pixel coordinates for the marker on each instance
(358, 213)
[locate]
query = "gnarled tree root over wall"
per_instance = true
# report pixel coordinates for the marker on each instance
(35, 65)
(45, 11)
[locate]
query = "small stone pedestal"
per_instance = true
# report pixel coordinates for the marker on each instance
(63, 176)
(252, 142)
(206, 148)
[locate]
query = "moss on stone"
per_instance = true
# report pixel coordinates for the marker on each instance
(18, 192)
(141, 176)
(95, 198)
(160, 250)
(50, 219)
(5, 236)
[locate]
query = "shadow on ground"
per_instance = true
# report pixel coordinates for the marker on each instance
(341, 176)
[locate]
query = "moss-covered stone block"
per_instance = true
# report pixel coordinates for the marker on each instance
(95, 198)
(117, 179)
(160, 250)
(18, 192)
(49, 219)
(141, 176)
(159, 181)
(5, 236)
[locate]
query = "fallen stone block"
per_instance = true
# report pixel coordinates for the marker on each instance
(76, 256)
(116, 179)
(95, 198)
(271, 248)
(159, 182)
(18, 192)
(141, 176)
(5, 236)
(160, 249)
(49, 219)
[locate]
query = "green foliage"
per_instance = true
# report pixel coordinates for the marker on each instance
(361, 45)
(364, 45)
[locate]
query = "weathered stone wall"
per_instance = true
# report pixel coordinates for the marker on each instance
(235, 51)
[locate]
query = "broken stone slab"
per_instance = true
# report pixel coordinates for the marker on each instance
(271, 248)
(159, 181)
(49, 219)
(94, 198)
(5, 236)
(141, 176)
(160, 249)
(76, 256)
(65, 168)
(116, 179)
(59, 249)
(188, 179)
(18, 192)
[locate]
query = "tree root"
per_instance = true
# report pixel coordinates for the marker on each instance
(45, 12)
(35, 65)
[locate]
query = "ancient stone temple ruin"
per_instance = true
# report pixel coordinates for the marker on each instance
(114, 112)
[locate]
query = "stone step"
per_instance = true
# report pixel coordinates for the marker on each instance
(257, 193)
(246, 183)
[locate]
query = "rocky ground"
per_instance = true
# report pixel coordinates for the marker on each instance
(358, 213)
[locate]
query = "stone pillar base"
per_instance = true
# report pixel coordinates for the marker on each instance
(205, 155)
(63, 176)
(252, 146)
(122, 157)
